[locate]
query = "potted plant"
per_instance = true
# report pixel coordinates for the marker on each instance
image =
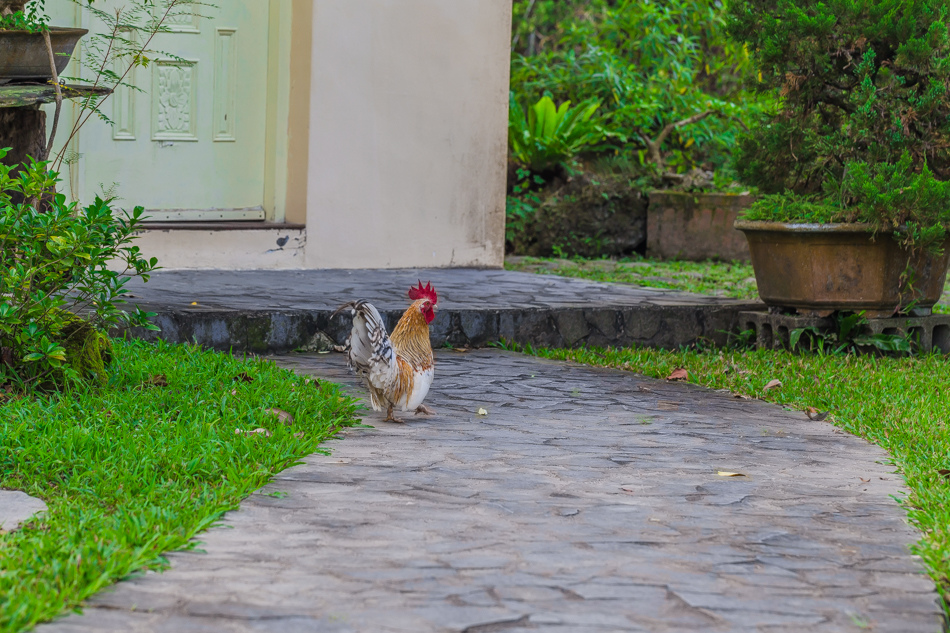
(854, 161)
(24, 55)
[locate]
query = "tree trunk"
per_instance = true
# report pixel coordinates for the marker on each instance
(23, 130)
(11, 6)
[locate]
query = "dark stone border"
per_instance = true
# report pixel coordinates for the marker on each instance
(275, 331)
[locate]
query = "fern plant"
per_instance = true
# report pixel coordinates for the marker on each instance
(547, 135)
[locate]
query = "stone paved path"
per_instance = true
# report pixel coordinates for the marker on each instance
(16, 508)
(459, 289)
(585, 501)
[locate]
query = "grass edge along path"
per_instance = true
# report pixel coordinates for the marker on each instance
(138, 467)
(899, 404)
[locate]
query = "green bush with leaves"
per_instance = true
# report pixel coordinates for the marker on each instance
(667, 77)
(58, 261)
(551, 135)
(863, 121)
(889, 198)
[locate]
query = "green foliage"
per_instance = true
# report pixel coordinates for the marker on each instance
(136, 469)
(848, 338)
(790, 207)
(649, 64)
(57, 259)
(32, 17)
(895, 198)
(520, 207)
(550, 135)
(862, 85)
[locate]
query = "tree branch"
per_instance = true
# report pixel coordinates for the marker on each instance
(59, 95)
(653, 146)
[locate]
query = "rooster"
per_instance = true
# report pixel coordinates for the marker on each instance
(396, 369)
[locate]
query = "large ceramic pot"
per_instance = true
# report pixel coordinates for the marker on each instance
(23, 55)
(819, 268)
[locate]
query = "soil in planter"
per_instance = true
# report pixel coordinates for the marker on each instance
(587, 216)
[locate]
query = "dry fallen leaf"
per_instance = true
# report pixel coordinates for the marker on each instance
(741, 396)
(157, 380)
(726, 473)
(263, 432)
(943, 472)
(863, 480)
(281, 415)
(243, 377)
(815, 414)
(773, 384)
(194, 303)
(482, 412)
(678, 374)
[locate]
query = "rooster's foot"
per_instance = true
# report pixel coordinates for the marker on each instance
(391, 418)
(423, 409)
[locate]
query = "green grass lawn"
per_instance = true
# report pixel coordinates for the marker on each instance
(900, 404)
(140, 466)
(724, 279)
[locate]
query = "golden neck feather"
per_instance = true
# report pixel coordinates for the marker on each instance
(411, 337)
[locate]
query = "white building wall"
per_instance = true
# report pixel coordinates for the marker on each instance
(408, 133)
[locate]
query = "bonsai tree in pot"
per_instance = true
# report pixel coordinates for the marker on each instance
(855, 160)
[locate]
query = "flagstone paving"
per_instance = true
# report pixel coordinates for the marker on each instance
(586, 500)
(16, 508)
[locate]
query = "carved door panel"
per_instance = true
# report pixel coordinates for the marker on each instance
(192, 145)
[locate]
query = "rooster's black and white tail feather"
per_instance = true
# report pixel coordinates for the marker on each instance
(370, 353)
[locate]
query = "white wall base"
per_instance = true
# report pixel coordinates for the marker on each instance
(252, 249)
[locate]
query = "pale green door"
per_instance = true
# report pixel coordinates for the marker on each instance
(192, 145)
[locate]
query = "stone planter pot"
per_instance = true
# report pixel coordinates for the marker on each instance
(23, 55)
(696, 226)
(817, 269)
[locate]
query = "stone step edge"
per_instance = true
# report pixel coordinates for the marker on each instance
(284, 330)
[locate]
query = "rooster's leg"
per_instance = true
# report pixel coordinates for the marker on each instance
(424, 410)
(389, 416)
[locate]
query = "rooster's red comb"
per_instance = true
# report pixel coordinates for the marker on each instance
(427, 292)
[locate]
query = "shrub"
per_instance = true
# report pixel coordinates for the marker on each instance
(863, 123)
(58, 261)
(651, 65)
(891, 198)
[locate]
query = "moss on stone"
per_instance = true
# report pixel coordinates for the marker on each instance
(88, 351)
